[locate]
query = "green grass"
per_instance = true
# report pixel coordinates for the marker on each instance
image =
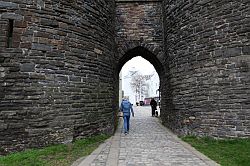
(63, 155)
(227, 152)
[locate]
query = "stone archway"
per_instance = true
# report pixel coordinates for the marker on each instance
(205, 59)
(146, 54)
(132, 50)
(139, 32)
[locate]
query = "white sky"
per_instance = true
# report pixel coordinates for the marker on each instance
(140, 64)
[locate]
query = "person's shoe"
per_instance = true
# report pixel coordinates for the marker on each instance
(125, 133)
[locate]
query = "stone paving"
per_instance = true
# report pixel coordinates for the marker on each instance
(148, 144)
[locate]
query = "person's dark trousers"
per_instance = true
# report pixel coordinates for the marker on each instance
(126, 123)
(153, 112)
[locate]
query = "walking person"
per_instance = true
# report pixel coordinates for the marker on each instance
(126, 108)
(153, 104)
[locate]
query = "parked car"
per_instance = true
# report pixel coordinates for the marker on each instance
(141, 103)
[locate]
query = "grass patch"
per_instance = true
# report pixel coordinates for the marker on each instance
(63, 155)
(227, 152)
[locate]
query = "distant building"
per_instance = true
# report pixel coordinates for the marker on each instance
(150, 90)
(153, 86)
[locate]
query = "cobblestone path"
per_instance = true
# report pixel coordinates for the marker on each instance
(148, 144)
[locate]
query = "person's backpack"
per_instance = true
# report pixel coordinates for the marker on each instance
(126, 105)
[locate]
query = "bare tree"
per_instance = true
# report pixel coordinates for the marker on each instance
(139, 85)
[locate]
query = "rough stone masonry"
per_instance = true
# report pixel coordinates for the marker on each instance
(60, 59)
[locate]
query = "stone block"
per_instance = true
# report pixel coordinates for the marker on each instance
(232, 52)
(41, 47)
(246, 50)
(8, 5)
(3, 126)
(11, 16)
(51, 23)
(27, 67)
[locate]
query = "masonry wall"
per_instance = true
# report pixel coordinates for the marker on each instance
(207, 79)
(139, 24)
(59, 66)
(57, 77)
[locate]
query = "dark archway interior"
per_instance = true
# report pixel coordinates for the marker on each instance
(146, 54)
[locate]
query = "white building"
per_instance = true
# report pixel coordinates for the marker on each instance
(153, 86)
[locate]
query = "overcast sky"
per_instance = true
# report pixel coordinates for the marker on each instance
(140, 64)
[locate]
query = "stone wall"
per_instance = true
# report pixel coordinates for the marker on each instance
(60, 60)
(139, 26)
(206, 87)
(57, 76)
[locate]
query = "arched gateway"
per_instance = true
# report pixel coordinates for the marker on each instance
(59, 65)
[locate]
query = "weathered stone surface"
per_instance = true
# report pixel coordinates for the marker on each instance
(139, 30)
(11, 16)
(208, 61)
(51, 82)
(59, 82)
(28, 67)
(8, 5)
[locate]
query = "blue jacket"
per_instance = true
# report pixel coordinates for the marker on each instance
(126, 107)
